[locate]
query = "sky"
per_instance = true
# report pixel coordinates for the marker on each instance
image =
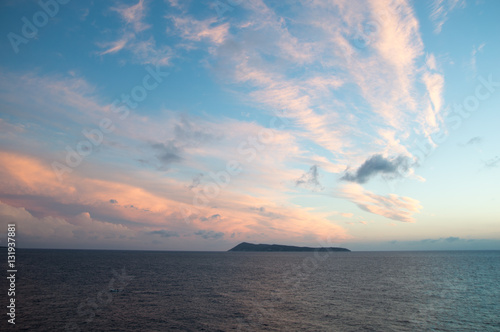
(197, 125)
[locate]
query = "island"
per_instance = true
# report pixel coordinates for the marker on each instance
(245, 246)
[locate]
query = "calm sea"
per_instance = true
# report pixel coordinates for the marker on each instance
(69, 290)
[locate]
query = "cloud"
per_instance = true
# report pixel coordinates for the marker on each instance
(255, 55)
(113, 201)
(391, 206)
(266, 213)
(475, 51)
(115, 46)
(54, 232)
(168, 154)
(132, 37)
(378, 164)
(450, 239)
(494, 162)
(474, 140)
(196, 181)
(160, 203)
(435, 84)
(210, 29)
(215, 217)
(187, 135)
(210, 234)
(440, 9)
(310, 179)
(165, 233)
(134, 15)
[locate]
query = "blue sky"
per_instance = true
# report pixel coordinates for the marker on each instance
(196, 125)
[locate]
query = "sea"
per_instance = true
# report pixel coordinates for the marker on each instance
(93, 290)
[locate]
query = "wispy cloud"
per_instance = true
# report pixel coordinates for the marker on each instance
(132, 37)
(440, 10)
(115, 46)
(260, 67)
(473, 58)
(134, 15)
(391, 206)
(195, 30)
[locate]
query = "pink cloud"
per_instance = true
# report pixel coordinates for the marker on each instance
(392, 206)
(148, 208)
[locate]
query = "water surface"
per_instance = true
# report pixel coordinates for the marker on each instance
(228, 291)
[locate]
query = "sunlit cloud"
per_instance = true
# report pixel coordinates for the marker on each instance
(239, 127)
(133, 39)
(195, 30)
(115, 46)
(440, 10)
(134, 15)
(391, 206)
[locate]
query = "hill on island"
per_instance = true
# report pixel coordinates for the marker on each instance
(245, 246)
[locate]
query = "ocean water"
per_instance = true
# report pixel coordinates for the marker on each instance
(69, 290)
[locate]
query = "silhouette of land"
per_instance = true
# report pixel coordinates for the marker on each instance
(245, 246)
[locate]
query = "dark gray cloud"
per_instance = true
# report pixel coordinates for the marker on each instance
(452, 239)
(209, 234)
(168, 153)
(187, 134)
(113, 201)
(165, 233)
(196, 181)
(492, 162)
(215, 217)
(263, 212)
(310, 179)
(377, 164)
(447, 239)
(474, 140)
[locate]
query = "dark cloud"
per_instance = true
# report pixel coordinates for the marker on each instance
(196, 181)
(187, 134)
(263, 212)
(377, 164)
(492, 162)
(209, 234)
(215, 217)
(474, 140)
(165, 233)
(452, 239)
(113, 201)
(442, 239)
(169, 153)
(310, 179)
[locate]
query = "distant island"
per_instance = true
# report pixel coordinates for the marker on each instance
(245, 246)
